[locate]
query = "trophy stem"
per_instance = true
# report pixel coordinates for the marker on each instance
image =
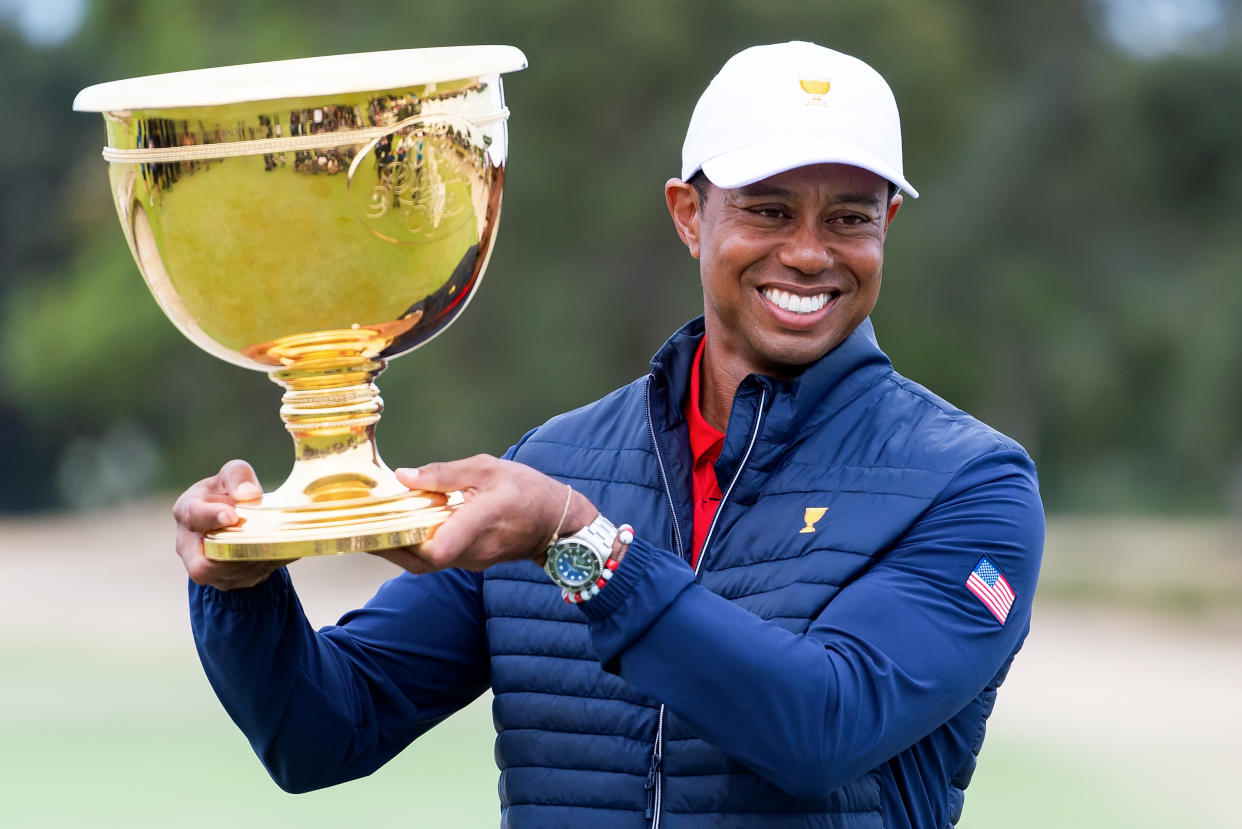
(330, 407)
(340, 496)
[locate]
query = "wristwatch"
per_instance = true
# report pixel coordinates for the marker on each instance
(577, 561)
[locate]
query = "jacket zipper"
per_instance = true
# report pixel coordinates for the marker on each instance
(754, 435)
(668, 491)
(655, 775)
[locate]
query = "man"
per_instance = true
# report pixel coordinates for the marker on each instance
(829, 572)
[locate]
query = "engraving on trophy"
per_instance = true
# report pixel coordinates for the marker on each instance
(424, 202)
(394, 181)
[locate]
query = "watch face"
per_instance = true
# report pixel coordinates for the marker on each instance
(575, 564)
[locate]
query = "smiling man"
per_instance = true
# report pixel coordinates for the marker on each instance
(824, 571)
(790, 266)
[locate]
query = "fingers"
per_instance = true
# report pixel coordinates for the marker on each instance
(231, 575)
(238, 480)
(209, 505)
(223, 575)
(460, 532)
(201, 516)
(405, 558)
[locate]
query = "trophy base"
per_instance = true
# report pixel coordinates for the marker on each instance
(270, 533)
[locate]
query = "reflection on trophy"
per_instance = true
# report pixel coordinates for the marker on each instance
(312, 219)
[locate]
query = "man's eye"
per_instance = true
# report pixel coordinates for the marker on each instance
(768, 212)
(850, 219)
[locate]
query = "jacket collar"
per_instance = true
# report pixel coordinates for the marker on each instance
(790, 406)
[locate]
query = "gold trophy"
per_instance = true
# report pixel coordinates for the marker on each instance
(312, 219)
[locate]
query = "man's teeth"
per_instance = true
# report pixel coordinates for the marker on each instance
(795, 303)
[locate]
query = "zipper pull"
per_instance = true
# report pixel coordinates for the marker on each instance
(650, 785)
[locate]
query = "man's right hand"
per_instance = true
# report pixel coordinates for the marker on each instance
(207, 506)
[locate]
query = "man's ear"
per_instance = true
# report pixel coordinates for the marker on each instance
(893, 207)
(684, 207)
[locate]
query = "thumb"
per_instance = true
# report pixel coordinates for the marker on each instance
(449, 476)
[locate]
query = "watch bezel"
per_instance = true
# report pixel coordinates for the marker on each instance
(568, 547)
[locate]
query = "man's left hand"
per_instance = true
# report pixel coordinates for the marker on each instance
(509, 512)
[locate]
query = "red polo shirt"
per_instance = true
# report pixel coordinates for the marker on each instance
(705, 445)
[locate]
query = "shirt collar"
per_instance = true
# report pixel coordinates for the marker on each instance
(703, 436)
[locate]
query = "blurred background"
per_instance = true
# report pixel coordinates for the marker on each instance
(1069, 276)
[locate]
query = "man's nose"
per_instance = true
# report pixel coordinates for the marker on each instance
(806, 250)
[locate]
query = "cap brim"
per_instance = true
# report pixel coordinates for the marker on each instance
(759, 161)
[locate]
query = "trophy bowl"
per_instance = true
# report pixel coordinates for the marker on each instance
(312, 219)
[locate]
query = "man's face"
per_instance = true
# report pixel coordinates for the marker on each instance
(790, 265)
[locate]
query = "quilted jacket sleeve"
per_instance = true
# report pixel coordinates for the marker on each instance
(893, 655)
(390, 671)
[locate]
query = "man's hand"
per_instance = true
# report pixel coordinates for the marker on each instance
(510, 512)
(207, 506)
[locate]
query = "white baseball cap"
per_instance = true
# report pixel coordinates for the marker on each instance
(775, 108)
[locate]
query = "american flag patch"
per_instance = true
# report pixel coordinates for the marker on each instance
(992, 588)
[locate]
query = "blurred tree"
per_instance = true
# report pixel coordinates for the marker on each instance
(1065, 276)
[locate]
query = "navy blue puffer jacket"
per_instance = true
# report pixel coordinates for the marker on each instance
(827, 666)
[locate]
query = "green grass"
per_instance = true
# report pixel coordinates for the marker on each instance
(113, 737)
(1025, 785)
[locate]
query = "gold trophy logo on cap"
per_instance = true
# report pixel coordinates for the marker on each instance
(817, 88)
(292, 218)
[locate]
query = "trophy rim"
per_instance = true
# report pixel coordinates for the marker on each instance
(299, 78)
